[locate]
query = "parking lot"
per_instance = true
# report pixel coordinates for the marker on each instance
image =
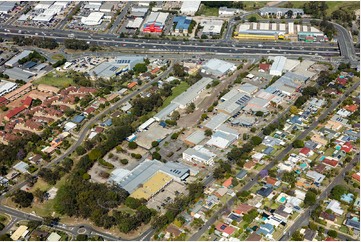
(166, 196)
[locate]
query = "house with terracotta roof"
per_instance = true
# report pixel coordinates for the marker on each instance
(351, 108)
(172, 231)
(272, 181)
(249, 165)
(306, 152)
(242, 209)
(333, 125)
(264, 67)
(254, 237)
(347, 147)
(319, 140)
(225, 230)
(3, 101)
(328, 217)
(27, 101)
(89, 110)
(155, 70)
(48, 88)
(15, 111)
(228, 183)
(87, 90)
(330, 162)
(320, 168)
(33, 125)
(131, 85)
(356, 176)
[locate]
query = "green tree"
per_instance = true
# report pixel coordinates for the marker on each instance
(132, 145)
(190, 108)
(140, 68)
(252, 19)
(23, 198)
(80, 150)
(298, 144)
(310, 198)
(259, 113)
(208, 132)
(338, 191)
(332, 233)
(155, 144)
(95, 154)
(156, 156)
(256, 140)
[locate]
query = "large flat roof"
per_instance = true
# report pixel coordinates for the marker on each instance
(217, 67)
(152, 186)
(16, 58)
(216, 121)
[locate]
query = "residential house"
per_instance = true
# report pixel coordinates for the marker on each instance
(225, 230)
(266, 230)
(241, 174)
(335, 206)
(309, 234)
(328, 217)
(242, 209)
(330, 162)
(254, 237)
(316, 177)
(306, 152)
(228, 183)
(265, 191)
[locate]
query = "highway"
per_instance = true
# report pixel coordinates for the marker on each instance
(279, 157)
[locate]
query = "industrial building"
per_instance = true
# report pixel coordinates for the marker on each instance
(234, 105)
(151, 187)
(13, 61)
(135, 23)
(119, 65)
(6, 7)
(216, 121)
(256, 104)
(279, 12)
(94, 18)
(222, 139)
(144, 171)
(192, 92)
(182, 24)
(19, 74)
(195, 138)
(6, 87)
(218, 67)
(165, 112)
(190, 7)
(138, 12)
(228, 12)
(155, 22)
(199, 154)
(211, 26)
(278, 65)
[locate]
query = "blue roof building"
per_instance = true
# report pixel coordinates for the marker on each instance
(78, 119)
(29, 64)
(265, 229)
(295, 120)
(241, 174)
(183, 23)
(108, 123)
(353, 223)
(268, 150)
(347, 197)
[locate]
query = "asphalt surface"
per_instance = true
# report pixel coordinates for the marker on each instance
(279, 157)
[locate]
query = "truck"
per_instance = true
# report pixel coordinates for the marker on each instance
(71, 35)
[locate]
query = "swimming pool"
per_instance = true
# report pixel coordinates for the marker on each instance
(282, 199)
(338, 147)
(322, 158)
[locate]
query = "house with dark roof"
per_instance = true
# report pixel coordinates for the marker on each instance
(254, 237)
(265, 191)
(241, 174)
(320, 168)
(309, 235)
(310, 145)
(327, 216)
(265, 229)
(268, 150)
(353, 223)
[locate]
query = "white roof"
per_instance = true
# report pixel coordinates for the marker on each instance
(217, 67)
(5, 86)
(190, 7)
(47, 16)
(212, 26)
(117, 175)
(135, 23)
(21, 167)
(335, 207)
(146, 124)
(278, 64)
(94, 18)
(69, 126)
(53, 237)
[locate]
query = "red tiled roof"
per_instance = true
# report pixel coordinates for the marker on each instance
(242, 209)
(330, 239)
(356, 176)
(351, 108)
(14, 112)
(27, 101)
(132, 84)
(320, 168)
(330, 162)
(271, 180)
(90, 110)
(305, 150)
(341, 81)
(249, 165)
(3, 100)
(347, 147)
(155, 70)
(228, 182)
(87, 90)
(264, 66)
(327, 216)
(225, 228)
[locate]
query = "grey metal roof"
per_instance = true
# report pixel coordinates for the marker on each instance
(163, 114)
(283, 10)
(16, 58)
(192, 92)
(248, 88)
(216, 121)
(217, 67)
(6, 6)
(18, 74)
(196, 137)
(109, 69)
(234, 104)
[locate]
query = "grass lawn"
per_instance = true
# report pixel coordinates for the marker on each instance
(4, 218)
(253, 5)
(57, 80)
(255, 15)
(175, 92)
(57, 57)
(207, 11)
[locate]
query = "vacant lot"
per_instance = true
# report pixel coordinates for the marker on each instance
(332, 6)
(207, 11)
(175, 92)
(58, 79)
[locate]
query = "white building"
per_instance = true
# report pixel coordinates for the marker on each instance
(227, 12)
(94, 18)
(199, 154)
(278, 65)
(190, 7)
(211, 26)
(218, 67)
(6, 87)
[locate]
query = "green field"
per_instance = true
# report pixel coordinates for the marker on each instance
(332, 6)
(207, 11)
(57, 57)
(175, 92)
(57, 80)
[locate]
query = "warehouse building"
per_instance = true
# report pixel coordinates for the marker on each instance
(216, 121)
(135, 23)
(13, 61)
(228, 12)
(119, 65)
(93, 5)
(211, 26)
(6, 7)
(248, 88)
(278, 65)
(199, 154)
(234, 105)
(138, 12)
(144, 171)
(19, 74)
(94, 18)
(195, 138)
(190, 7)
(107, 7)
(6, 87)
(155, 22)
(256, 104)
(183, 23)
(279, 12)
(222, 140)
(218, 67)
(192, 92)
(165, 112)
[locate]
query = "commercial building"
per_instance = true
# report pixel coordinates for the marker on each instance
(93, 5)
(94, 18)
(155, 22)
(211, 26)
(256, 104)
(199, 154)
(144, 171)
(192, 92)
(107, 7)
(190, 7)
(15, 59)
(195, 138)
(138, 12)
(119, 65)
(183, 23)
(278, 65)
(248, 88)
(135, 23)
(6, 7)
(312, 36)
(279, 12)
(228, 12)
(234, 105)
(221, 139)
(151, 187)
(19, 74)
(6, 87)
(218, 67)
(216, 121)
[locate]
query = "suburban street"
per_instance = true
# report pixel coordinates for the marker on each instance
(269, 166)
